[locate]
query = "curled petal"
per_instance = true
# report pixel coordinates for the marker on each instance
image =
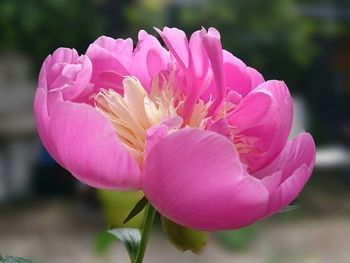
(88, 147)
(265, 117)
(195, 178)
(289, 171)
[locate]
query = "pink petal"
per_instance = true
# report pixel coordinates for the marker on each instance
(156, 133)
(150, 58)
(199, 62)
(293, 166)
(57, 61)
(42, 120)
(255, 77)
(239, 77)
(121, 49)
(221, 127)
(42, 81)
(88, 147)
(104, 61)
(177, 43)
(212, 45)
(195, 178)
(265, 116)
(251, 111)
(82, 87)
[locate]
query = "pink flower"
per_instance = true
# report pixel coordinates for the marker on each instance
(203, 135)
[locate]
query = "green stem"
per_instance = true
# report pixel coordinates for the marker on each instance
(146, 229)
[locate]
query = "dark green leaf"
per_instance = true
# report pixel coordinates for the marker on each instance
(130, 237)
(184, 238)
(9, 259)
(137, 209)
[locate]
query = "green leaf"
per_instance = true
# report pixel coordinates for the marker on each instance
(9, 259)
(103, 241)
(130, 237)
(141, 204)
(184, 238)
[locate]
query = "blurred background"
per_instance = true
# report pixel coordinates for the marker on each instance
(46, 215)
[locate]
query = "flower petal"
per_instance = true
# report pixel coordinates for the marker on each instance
(195, 178)
(199, 62)
(212, 45)
(120, 48)
(177, 43)
(149, 59)
(89, 148)
(239, 77)
(104, 59)
(265, 116)
(42, 120)
(293, 167)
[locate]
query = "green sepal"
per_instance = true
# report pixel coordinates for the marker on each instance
(140, 205)
(184, 238)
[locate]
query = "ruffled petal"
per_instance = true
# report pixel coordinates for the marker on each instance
(89, 148)
(290, 170)
(195, 178)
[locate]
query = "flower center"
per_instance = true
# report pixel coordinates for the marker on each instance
(133, 113)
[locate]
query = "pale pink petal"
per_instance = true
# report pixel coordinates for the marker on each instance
(89, 148)
(196, 179)
(293, 166)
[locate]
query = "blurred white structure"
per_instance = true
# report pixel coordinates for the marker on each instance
(334, 156)
(327, 157)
